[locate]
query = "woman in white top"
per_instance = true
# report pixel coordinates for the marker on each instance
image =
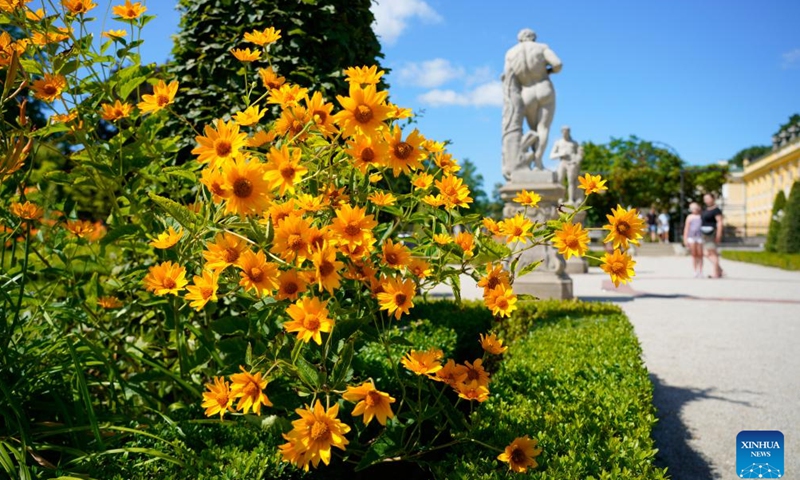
(693, 238)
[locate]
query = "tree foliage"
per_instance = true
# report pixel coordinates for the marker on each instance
(789, 238)
(749, 153)
(320, 39)
(474, 180)
(775, 222)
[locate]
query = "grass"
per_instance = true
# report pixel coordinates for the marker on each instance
(786, 261)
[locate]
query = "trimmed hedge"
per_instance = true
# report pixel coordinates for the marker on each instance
(786, 261)
(573, 378)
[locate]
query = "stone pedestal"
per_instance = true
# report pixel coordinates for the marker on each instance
(548, 280)
(578, 264)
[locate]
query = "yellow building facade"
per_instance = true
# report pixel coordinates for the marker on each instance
(749, 194)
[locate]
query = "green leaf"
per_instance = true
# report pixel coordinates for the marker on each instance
(183, 215)
(528, 268)
(341, 368)
(308, 373)
(120, 232)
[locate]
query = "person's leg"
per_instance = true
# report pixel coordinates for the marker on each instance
(713, 257)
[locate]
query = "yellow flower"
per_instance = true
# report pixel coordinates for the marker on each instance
(375, 178)
(76, 7)
(115, 34)
(80, 228)
(32, 15)
(451, 373)
(162, 96)
(260, 138)
(364, 110)
(118, 110)
(248, 191)
(64, 117)
(476, 373)
(419, 268)
(320, 112)
(501, 301)
(382, 199)
(220, 144)
(528, 199)
(290, 285)
(246, 55)
(218, 398)
(404, 155)
(492, 226)
(592, 183)
(129, 11)
(257, 274)
(442, 239)
(224, 251)
(472, 391)
(109, 302)
(492, 344)
(397, 296)
(454, 192)
(263, 37)
(270, 78)
(372, 403)
(203, 290)
(313, 435)
(423, 363)
(422, 181)
(283, 170)
(309, 319)
(363, 75)
(309, 203)
(366, 151)
(167, 239)
(49, 88)
(352, 225)
(326, 268)
(446, 162)
(292, 123)
(398, 112)
(466, 241)
(249, 389)
(42, 39)
(516, 229)
(619, 266)
(164, 278)
(249, 116)
(624, 226)
(291, 239)
(571, 240)
(27, 210)
(520, 454)
(287, 95)
(495, 275)
(395, 255)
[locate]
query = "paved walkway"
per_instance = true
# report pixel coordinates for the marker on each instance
(722, 355)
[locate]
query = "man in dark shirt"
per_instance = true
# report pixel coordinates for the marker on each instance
(652, 222)
(711, 227)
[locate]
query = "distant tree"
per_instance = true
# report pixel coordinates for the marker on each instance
(789, 238)
(699, 180)
(775, 222)
(749, 153)
(793, 120)
(474, 180)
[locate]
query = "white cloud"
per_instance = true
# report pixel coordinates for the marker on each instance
(791, 59)
(430, 73)
(489, 94)
(392, 16)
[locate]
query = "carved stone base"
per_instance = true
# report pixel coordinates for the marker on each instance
(577, 265)
(549, 280)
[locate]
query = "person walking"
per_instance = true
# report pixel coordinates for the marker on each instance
(652, 223)
(711, 228)
(663, 226)
(693, 238)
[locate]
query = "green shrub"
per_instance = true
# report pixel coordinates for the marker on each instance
(577, 383)
(789, 238)
(775, 222)
(770, 259)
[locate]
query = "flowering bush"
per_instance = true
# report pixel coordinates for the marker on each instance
(261, 269)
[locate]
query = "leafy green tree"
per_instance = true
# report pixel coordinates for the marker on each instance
(775, 222)
(474, 180)
(793, 120)
(749, 153)
(320, 38)
(789, 238)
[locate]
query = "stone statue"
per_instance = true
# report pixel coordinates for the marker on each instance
(528, 95)
(570, 155)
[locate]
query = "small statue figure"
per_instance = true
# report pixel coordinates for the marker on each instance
(570, 155)
(528, 95)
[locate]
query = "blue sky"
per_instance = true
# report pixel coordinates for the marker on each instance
(706, 77)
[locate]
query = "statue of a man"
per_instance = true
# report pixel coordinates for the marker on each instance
(528, 95)
(570, 156)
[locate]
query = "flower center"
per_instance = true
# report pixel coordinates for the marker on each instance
(493, 282)
(472, 374)
(251, 389)
(320, 431)
(231, 255)
(222, 399)
(502, 303)
(223, 148)
(352, 229)
(50, 89)
(623, 227)
(400, 299)
(368, 155)
(363, 114)
(322, 116)
(325, 268)
(131, 13)
(169, 283)
(206, 292)
(403, 150)
(242, 188)
(256, 274)
(571, 242)
(618, 268)
(311, 322)
(372, 399)
(295, 242)
(391, 258)
(288, 173)
(290, 288)
(518, 456)
(162, 100)
(517, 231)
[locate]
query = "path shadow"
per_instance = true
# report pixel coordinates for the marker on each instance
(672, 436)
